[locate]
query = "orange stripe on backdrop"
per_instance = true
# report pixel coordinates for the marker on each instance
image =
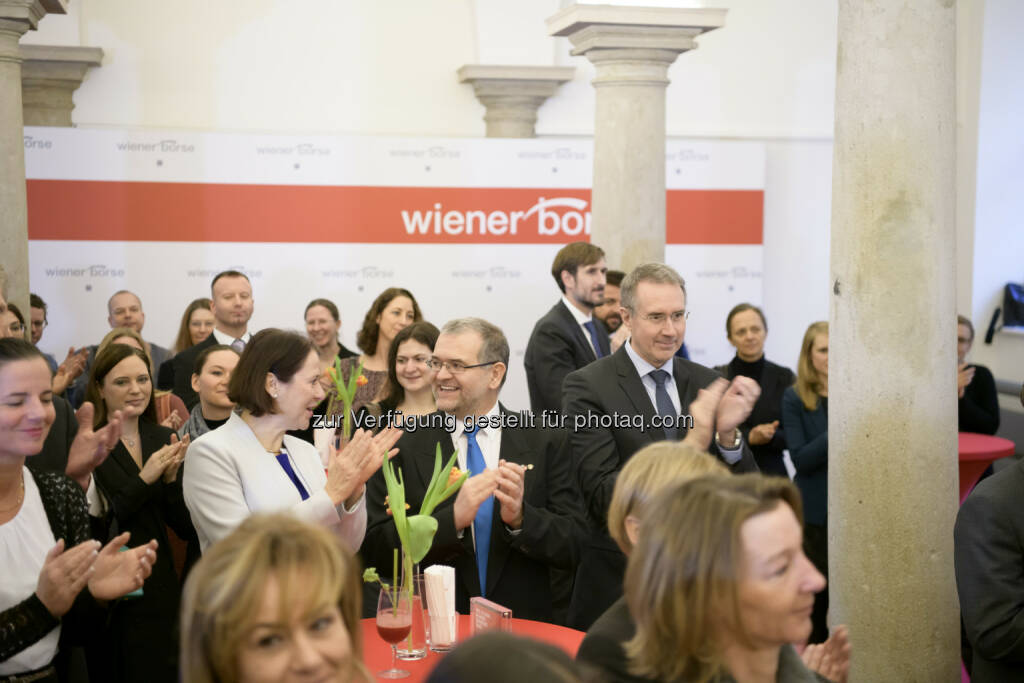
(208, 212)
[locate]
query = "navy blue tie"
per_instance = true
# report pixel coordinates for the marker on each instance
(482, 523)
(592, 331)
(282, 459)
(665, 407)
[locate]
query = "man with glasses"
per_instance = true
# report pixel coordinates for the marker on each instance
(617, 405)
(517, 516)
(37, 313)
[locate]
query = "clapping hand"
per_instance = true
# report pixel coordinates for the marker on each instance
(831, 659)
(350, 468)
(164, 463)
(91, 447)
(763, 433)
(702, 410)
(117, 573)
(65, 574)
(70, 369)
(473, 492)
(736, 404)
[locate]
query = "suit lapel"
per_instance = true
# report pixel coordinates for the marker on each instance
(575, 331)
(633, 387)
(682, 380)
(514, 449)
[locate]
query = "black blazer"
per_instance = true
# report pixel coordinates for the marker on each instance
(178, 377)
(774, 381)
(604, 646)
(557, 346)
(611, 386)
(518, 565)
(988, 552)
(143, 641)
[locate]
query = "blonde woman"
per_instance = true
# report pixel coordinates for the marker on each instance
(719, 585)
(648, 472)
(805, 419)
(278, 599)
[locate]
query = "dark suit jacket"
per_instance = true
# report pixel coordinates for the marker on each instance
(774, 381)
(807, 434)
(518, 565)
(988, 542)
(557, 346)
(609, 387)
(604, 646)
(179, 380)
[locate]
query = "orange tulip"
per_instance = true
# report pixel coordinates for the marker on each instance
(361, 381)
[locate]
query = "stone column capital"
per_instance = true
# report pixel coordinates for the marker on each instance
(512, 94)
(30, 12)
(50, 75)
(605, 33)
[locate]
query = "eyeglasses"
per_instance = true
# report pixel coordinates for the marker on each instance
(39, 324)
(456, 367)
(659, 318)
(415, 360)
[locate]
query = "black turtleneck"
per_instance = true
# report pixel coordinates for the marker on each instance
(738, 366)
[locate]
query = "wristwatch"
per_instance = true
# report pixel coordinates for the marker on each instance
(730, 447)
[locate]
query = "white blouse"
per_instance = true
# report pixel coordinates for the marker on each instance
(228, 475)
(24, 543)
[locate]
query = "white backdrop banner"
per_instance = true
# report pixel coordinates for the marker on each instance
(470, 226)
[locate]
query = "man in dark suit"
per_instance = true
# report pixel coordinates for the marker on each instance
(517, 515)
(988, 553)
(232, 305)
(619, 404)
(568, 336)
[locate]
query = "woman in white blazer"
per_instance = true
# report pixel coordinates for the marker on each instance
(250, 465)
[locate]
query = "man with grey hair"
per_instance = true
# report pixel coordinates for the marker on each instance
(124, 309)
(517, 516)
(618, 404)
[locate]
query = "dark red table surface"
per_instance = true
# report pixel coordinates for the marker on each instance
(977, 451)
(377, 653)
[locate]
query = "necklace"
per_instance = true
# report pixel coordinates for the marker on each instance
(21, 498)
(130, 442)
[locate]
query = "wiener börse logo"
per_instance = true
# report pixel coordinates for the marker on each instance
(555, 216)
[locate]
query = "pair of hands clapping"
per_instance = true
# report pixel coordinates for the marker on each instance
(165, 462)
(348, 469)
(721, 406)
(507, 484)
(108, 573)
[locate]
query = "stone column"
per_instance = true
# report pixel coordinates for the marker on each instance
(892, 395)
(50, 74)
(512, 94)
(631, 49)
(16, 17)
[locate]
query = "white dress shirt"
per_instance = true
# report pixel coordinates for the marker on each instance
(227, 339)
(228, 475)
(643, 368)
(580, 318)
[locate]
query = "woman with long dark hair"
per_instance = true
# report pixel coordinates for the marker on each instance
(140, 485)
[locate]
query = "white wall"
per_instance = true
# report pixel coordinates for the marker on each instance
(999, 205)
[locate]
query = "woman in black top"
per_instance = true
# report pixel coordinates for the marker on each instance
(140, 483)
(746, 329)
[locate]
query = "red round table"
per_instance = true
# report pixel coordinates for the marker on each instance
(377, 653)
(977, 451)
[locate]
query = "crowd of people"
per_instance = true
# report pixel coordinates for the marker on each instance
(658, 515)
